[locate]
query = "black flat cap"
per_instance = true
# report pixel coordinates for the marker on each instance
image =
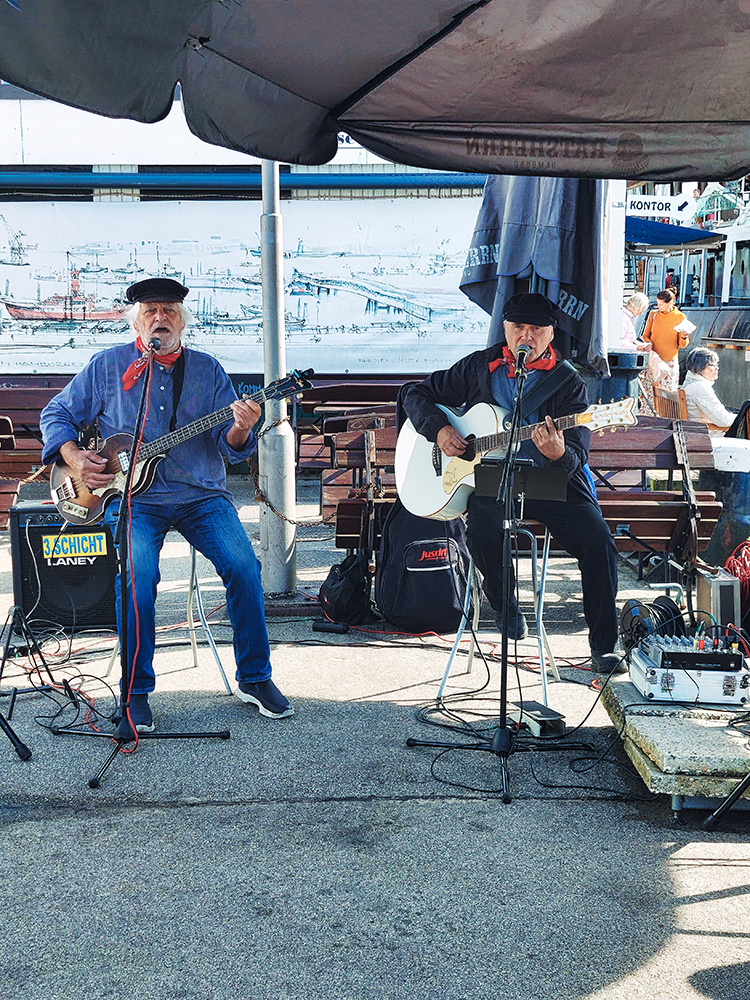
(532, 308)
(156, 290)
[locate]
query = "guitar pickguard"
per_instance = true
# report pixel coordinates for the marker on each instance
(456, 470)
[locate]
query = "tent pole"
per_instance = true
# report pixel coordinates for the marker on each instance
(278, 541)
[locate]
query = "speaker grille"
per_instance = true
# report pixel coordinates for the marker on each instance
(63, 577)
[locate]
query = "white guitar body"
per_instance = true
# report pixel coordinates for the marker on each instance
(430, 484)
(443, 495)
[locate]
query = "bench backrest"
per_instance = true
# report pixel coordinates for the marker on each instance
(650, 445)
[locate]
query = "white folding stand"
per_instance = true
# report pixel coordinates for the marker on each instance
(194, 594)
(546, 659)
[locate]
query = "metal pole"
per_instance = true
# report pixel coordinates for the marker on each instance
(278, 542)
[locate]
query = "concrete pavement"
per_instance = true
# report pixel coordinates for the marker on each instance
(318, 856)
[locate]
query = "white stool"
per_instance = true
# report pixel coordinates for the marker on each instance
(473, 596)
(194, 595)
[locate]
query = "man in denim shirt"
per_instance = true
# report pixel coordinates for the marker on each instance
(188, 492)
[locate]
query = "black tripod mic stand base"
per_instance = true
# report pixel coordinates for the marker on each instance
(503, 738)
(711, 821)
(21, 749)
(120, 742)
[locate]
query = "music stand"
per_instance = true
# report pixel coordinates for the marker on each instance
(125, 733)
(541, 486)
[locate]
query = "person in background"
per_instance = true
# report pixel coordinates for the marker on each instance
(700, 395)
(668, 330)
(636, 305)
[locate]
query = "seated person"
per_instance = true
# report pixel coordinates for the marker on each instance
(702, 402)
(188, 490)
(576, 523)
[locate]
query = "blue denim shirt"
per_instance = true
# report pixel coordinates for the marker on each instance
(191, 468)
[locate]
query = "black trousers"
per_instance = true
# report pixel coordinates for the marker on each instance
(578, 526)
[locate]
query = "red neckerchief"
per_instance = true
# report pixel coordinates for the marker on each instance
(135, 370)
(544, 362)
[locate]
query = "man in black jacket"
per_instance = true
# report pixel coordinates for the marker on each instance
(576, 523)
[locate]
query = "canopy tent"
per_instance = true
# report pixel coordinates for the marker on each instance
(661, 236)
(547, 235)
(538, 87)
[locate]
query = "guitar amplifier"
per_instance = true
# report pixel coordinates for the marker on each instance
(63, 574)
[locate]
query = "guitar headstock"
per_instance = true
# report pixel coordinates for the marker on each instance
(296, 382)
(618, 414)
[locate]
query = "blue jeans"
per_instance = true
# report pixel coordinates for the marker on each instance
(212, 526)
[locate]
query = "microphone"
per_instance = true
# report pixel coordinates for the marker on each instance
(522, 352)
(154, 344)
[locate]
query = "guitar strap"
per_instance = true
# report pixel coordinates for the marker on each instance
(179, 377)
(550, 382)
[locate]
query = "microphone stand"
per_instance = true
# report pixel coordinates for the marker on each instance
(125, 732)
(503, 742)
(504, 737)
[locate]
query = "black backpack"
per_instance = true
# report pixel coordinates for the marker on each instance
(345, 593)
(421, 572)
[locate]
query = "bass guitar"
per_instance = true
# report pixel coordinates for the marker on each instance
(80, 505)
(430, 484)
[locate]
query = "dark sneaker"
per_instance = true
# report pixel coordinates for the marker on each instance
(608, 663)
(140, 715)
(517, 627)
(266, 697)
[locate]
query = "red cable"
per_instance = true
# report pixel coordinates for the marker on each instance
(128, 500)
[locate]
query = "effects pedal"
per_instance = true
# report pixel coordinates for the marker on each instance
(540, 720)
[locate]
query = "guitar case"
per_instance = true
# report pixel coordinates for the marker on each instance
(421, 572)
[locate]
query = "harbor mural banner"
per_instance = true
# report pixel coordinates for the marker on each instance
(371, 285)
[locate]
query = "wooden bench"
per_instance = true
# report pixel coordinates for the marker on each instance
(641, 520)
(330, 406)
(348, 492)
(8, 486)
(23, 404)
(20, 438)
(647, 446)
(313, 452)
(346, 395)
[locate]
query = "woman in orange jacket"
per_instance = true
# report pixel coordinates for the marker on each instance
(667, 330)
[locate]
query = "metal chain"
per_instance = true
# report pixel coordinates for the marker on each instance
(260, 496)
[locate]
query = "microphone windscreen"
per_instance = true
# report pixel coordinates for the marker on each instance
(522, 352)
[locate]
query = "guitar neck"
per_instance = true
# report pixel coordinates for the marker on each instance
(491, 441)
(195, 427)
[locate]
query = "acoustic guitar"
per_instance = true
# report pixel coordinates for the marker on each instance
(80, 505)
(430, 484)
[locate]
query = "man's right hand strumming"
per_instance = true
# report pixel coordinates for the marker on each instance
(88, 466)
(450, 441)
